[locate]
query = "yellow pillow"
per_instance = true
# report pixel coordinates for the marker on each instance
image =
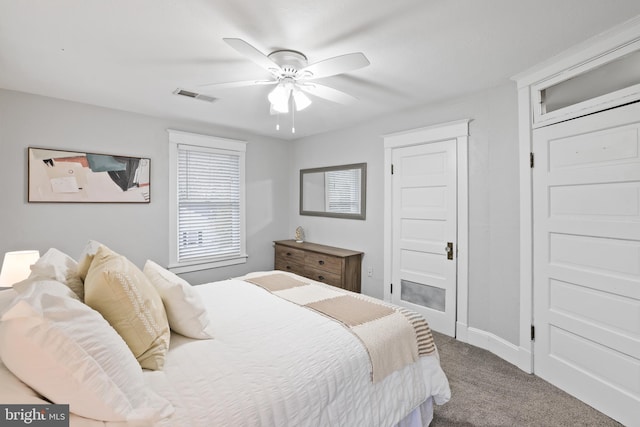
(119, 291)
(87, 256)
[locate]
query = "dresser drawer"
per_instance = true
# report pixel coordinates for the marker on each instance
(323, 276)
(323, 262)
(287, 265)
(287, 254)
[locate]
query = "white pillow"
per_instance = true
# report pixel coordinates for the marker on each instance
(58, 266)
(6, 299)
(32, 286)
(185, 311)
(69, 354)
(14, 391)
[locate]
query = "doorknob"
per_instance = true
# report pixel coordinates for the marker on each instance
(449, 250)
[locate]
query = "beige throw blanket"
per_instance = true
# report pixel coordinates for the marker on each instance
(393, 336)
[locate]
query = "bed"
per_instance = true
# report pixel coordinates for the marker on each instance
(271, 361)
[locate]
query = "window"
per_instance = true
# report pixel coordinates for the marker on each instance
(206, 202)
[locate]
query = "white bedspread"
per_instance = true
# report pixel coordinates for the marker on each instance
(287, 376)
(265, 368)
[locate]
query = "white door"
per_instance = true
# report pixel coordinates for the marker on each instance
(424, 202)
(586, 190)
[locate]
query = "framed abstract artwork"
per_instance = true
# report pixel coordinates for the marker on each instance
(76, 177)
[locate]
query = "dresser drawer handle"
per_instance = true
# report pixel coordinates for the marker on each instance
(321, 278)
(289, 254)
(288, 267)
(321, 262)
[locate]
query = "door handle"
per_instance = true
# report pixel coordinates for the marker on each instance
(449, 250)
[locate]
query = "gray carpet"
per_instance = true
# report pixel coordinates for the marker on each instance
(488, 391)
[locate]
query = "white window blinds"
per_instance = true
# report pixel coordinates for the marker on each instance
(208, 204)
(343, 191)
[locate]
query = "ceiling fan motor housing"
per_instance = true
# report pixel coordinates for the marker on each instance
(290, 61)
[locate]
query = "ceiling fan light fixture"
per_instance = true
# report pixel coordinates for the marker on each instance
(279, 98)
(301, 100)
(280, 108)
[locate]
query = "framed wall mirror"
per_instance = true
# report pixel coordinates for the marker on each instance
(334, 191)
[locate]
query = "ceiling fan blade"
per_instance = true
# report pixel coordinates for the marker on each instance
(253, 54)
(328, 93)
(238, 84)
(336, 65)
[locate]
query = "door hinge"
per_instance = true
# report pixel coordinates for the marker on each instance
(531, 159)
(391, 288)
(391, 168)
(533, 333)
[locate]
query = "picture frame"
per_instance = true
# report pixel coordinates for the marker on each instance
(63, 176)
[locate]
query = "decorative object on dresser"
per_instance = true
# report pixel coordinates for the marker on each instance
(334, 266)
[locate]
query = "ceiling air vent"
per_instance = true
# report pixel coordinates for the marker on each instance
(195, 95)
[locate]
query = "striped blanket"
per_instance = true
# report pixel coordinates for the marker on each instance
(393, 336)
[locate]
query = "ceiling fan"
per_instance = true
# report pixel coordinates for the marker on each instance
(293, 76)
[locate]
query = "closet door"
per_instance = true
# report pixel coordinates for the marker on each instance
(586, 198)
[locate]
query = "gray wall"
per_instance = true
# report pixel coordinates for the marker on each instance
(493, 199)
(141, 231)
(137, 231)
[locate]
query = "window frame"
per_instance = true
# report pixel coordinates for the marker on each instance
(224, 146)
(362, 167)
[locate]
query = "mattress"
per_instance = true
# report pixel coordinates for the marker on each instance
(274, 363)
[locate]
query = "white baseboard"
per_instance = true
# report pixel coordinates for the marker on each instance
(496, 345)
(462, 332)
(518, 356)
(526, 361)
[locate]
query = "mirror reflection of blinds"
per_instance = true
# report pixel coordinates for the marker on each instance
(343, 195)
(208, 203)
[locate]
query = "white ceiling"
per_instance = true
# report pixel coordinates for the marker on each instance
(132, 54)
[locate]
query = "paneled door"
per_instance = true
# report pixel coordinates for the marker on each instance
(586, 197)
(424, 212)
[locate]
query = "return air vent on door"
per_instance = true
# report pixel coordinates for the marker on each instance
(195, 95)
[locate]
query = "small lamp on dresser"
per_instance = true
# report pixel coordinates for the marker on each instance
(16, 266)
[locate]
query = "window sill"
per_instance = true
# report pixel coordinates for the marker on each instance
(187, 267)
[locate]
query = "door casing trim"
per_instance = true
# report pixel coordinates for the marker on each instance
(458, 130)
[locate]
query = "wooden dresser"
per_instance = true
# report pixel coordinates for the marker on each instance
(333, 266)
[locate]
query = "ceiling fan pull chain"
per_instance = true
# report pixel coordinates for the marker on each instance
(278, 121)
(293, 117)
